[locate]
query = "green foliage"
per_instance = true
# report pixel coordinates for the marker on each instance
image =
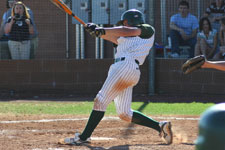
(63, 108)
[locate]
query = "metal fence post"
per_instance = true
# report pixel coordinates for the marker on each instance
(151, 58)
(163, 21)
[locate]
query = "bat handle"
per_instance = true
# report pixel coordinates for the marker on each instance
(79, 20)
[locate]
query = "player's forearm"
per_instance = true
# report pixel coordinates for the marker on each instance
(112, 34)
(122, 31)
(219, 65)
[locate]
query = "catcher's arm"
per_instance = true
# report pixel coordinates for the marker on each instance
(219, 65)
(193, 64)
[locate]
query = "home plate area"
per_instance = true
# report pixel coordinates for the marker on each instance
(44, 131)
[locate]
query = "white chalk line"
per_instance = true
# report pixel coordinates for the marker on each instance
(49, 149)
(53, 120)
(80, 119)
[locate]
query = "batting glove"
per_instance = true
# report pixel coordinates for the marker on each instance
(94, 30)
(90, 27)
(99, 32)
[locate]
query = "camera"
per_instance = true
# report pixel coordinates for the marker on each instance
(17, 17)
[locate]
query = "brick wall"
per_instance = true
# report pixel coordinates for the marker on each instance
(87, 76)
(170, 80)
(57, 76)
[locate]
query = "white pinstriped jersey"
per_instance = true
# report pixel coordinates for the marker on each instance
(134, 47)
(125, 74)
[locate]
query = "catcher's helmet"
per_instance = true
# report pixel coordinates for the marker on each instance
(212, 129)
(133, 16)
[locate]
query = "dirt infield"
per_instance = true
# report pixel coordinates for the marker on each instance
(43, 133)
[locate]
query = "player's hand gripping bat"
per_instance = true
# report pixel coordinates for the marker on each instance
(60, 4)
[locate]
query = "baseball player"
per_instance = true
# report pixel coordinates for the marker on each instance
(134, 39)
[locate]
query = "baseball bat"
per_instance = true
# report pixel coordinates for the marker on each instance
(61, 5)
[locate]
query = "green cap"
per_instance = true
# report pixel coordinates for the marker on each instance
(133, 16)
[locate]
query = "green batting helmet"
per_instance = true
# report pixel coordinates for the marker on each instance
(212, 129)
(133, 16)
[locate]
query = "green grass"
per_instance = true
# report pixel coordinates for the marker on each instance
(63, 108)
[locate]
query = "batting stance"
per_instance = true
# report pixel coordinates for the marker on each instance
(134, 40)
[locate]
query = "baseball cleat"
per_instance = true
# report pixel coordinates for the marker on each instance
(73, 141)
(166, 132)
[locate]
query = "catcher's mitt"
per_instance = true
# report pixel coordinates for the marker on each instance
(193, 64)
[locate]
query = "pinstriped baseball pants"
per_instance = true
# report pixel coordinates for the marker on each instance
(121, 79)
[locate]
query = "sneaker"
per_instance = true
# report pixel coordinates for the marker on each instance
(166, 132)
(174, 55)
(73, 141)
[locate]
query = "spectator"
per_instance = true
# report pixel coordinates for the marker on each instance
(4, 49)
(207, 39)
(19, 27)
(221, 53)
(215, 12)
(183, 30)
(9, 4)
(34, 37)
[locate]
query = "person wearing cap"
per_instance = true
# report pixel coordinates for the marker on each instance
(134, 39)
